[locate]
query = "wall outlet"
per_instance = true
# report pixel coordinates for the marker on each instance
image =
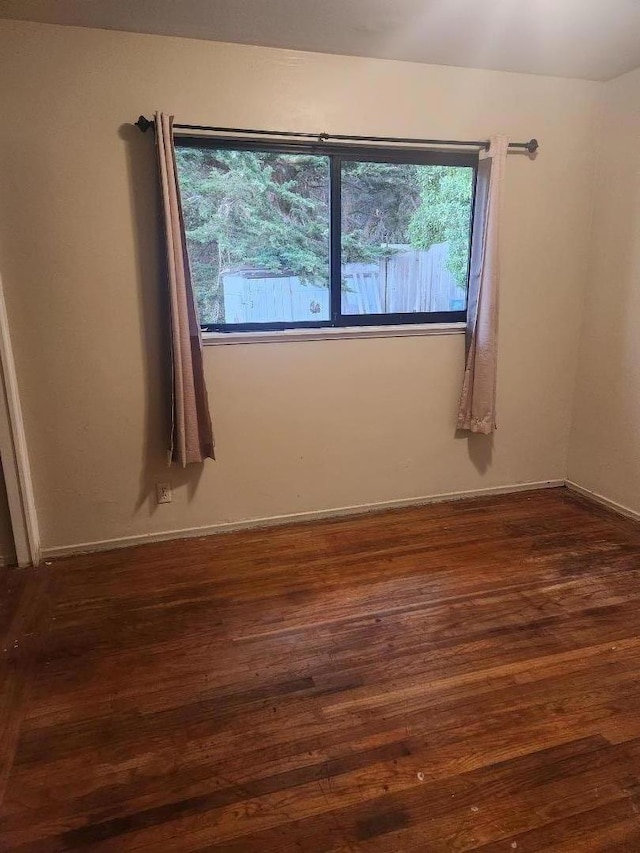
(163, 493)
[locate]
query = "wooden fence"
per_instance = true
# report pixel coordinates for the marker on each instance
(410, 281)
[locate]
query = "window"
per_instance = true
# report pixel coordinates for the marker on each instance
(295, 235)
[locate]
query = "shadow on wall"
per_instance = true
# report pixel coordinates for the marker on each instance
(144, 197)
(7, 547)
(479, 448)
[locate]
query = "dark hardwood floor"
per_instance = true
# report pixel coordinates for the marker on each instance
(464, 676)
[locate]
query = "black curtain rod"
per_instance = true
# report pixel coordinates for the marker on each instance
(144, 124)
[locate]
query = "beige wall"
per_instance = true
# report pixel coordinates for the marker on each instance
(299, 426)
(605, 442)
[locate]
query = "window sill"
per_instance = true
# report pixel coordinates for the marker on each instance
(407, 330)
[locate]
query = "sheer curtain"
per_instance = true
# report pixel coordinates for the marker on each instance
(191, 432)
(477, 410)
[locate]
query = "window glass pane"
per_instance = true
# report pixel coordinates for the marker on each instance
(257, 228)
(405, 237)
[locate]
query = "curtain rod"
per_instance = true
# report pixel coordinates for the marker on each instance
(144, 124)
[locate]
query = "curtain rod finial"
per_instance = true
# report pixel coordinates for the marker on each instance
(143, 124)
(532, 146)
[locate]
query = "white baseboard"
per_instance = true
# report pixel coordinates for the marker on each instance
(271, 521)
(620, 509)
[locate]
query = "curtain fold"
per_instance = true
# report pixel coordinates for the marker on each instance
(191, 431)
(477, 409)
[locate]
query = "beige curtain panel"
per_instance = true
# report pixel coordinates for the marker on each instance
(477, 411)
(191, 432)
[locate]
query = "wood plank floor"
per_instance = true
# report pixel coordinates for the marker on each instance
(464, 676)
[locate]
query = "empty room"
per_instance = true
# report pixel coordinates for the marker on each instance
(320, 426)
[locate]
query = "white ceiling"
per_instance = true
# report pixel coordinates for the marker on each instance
(592, 39)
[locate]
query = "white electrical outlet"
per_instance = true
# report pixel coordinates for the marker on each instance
(163, 493)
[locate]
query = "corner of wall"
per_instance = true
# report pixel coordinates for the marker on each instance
(603, 457)
(598, 138)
